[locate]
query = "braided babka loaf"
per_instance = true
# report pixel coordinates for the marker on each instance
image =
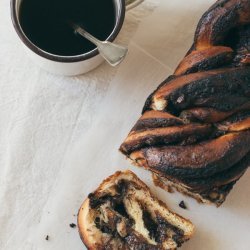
(194, 132)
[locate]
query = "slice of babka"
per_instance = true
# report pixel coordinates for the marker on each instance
(123, 214)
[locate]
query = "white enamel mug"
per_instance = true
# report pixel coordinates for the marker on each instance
(69, 65)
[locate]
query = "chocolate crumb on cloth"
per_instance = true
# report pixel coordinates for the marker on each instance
(72, 225)
(123, 214)
(182, 205)
(194, 132)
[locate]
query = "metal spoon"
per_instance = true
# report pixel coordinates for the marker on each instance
(112, 53)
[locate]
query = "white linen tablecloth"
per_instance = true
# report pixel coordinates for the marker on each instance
(59, 135)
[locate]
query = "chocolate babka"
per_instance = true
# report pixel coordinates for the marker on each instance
(122, 214)
(194, 132)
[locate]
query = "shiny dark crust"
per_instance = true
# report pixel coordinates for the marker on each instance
(195, 127)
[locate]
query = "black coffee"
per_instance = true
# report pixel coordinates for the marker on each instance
(45, 23)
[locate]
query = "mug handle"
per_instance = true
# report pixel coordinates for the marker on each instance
(130, 4)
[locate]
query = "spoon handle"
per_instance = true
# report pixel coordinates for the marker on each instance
(85, 34)
(111, 52)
